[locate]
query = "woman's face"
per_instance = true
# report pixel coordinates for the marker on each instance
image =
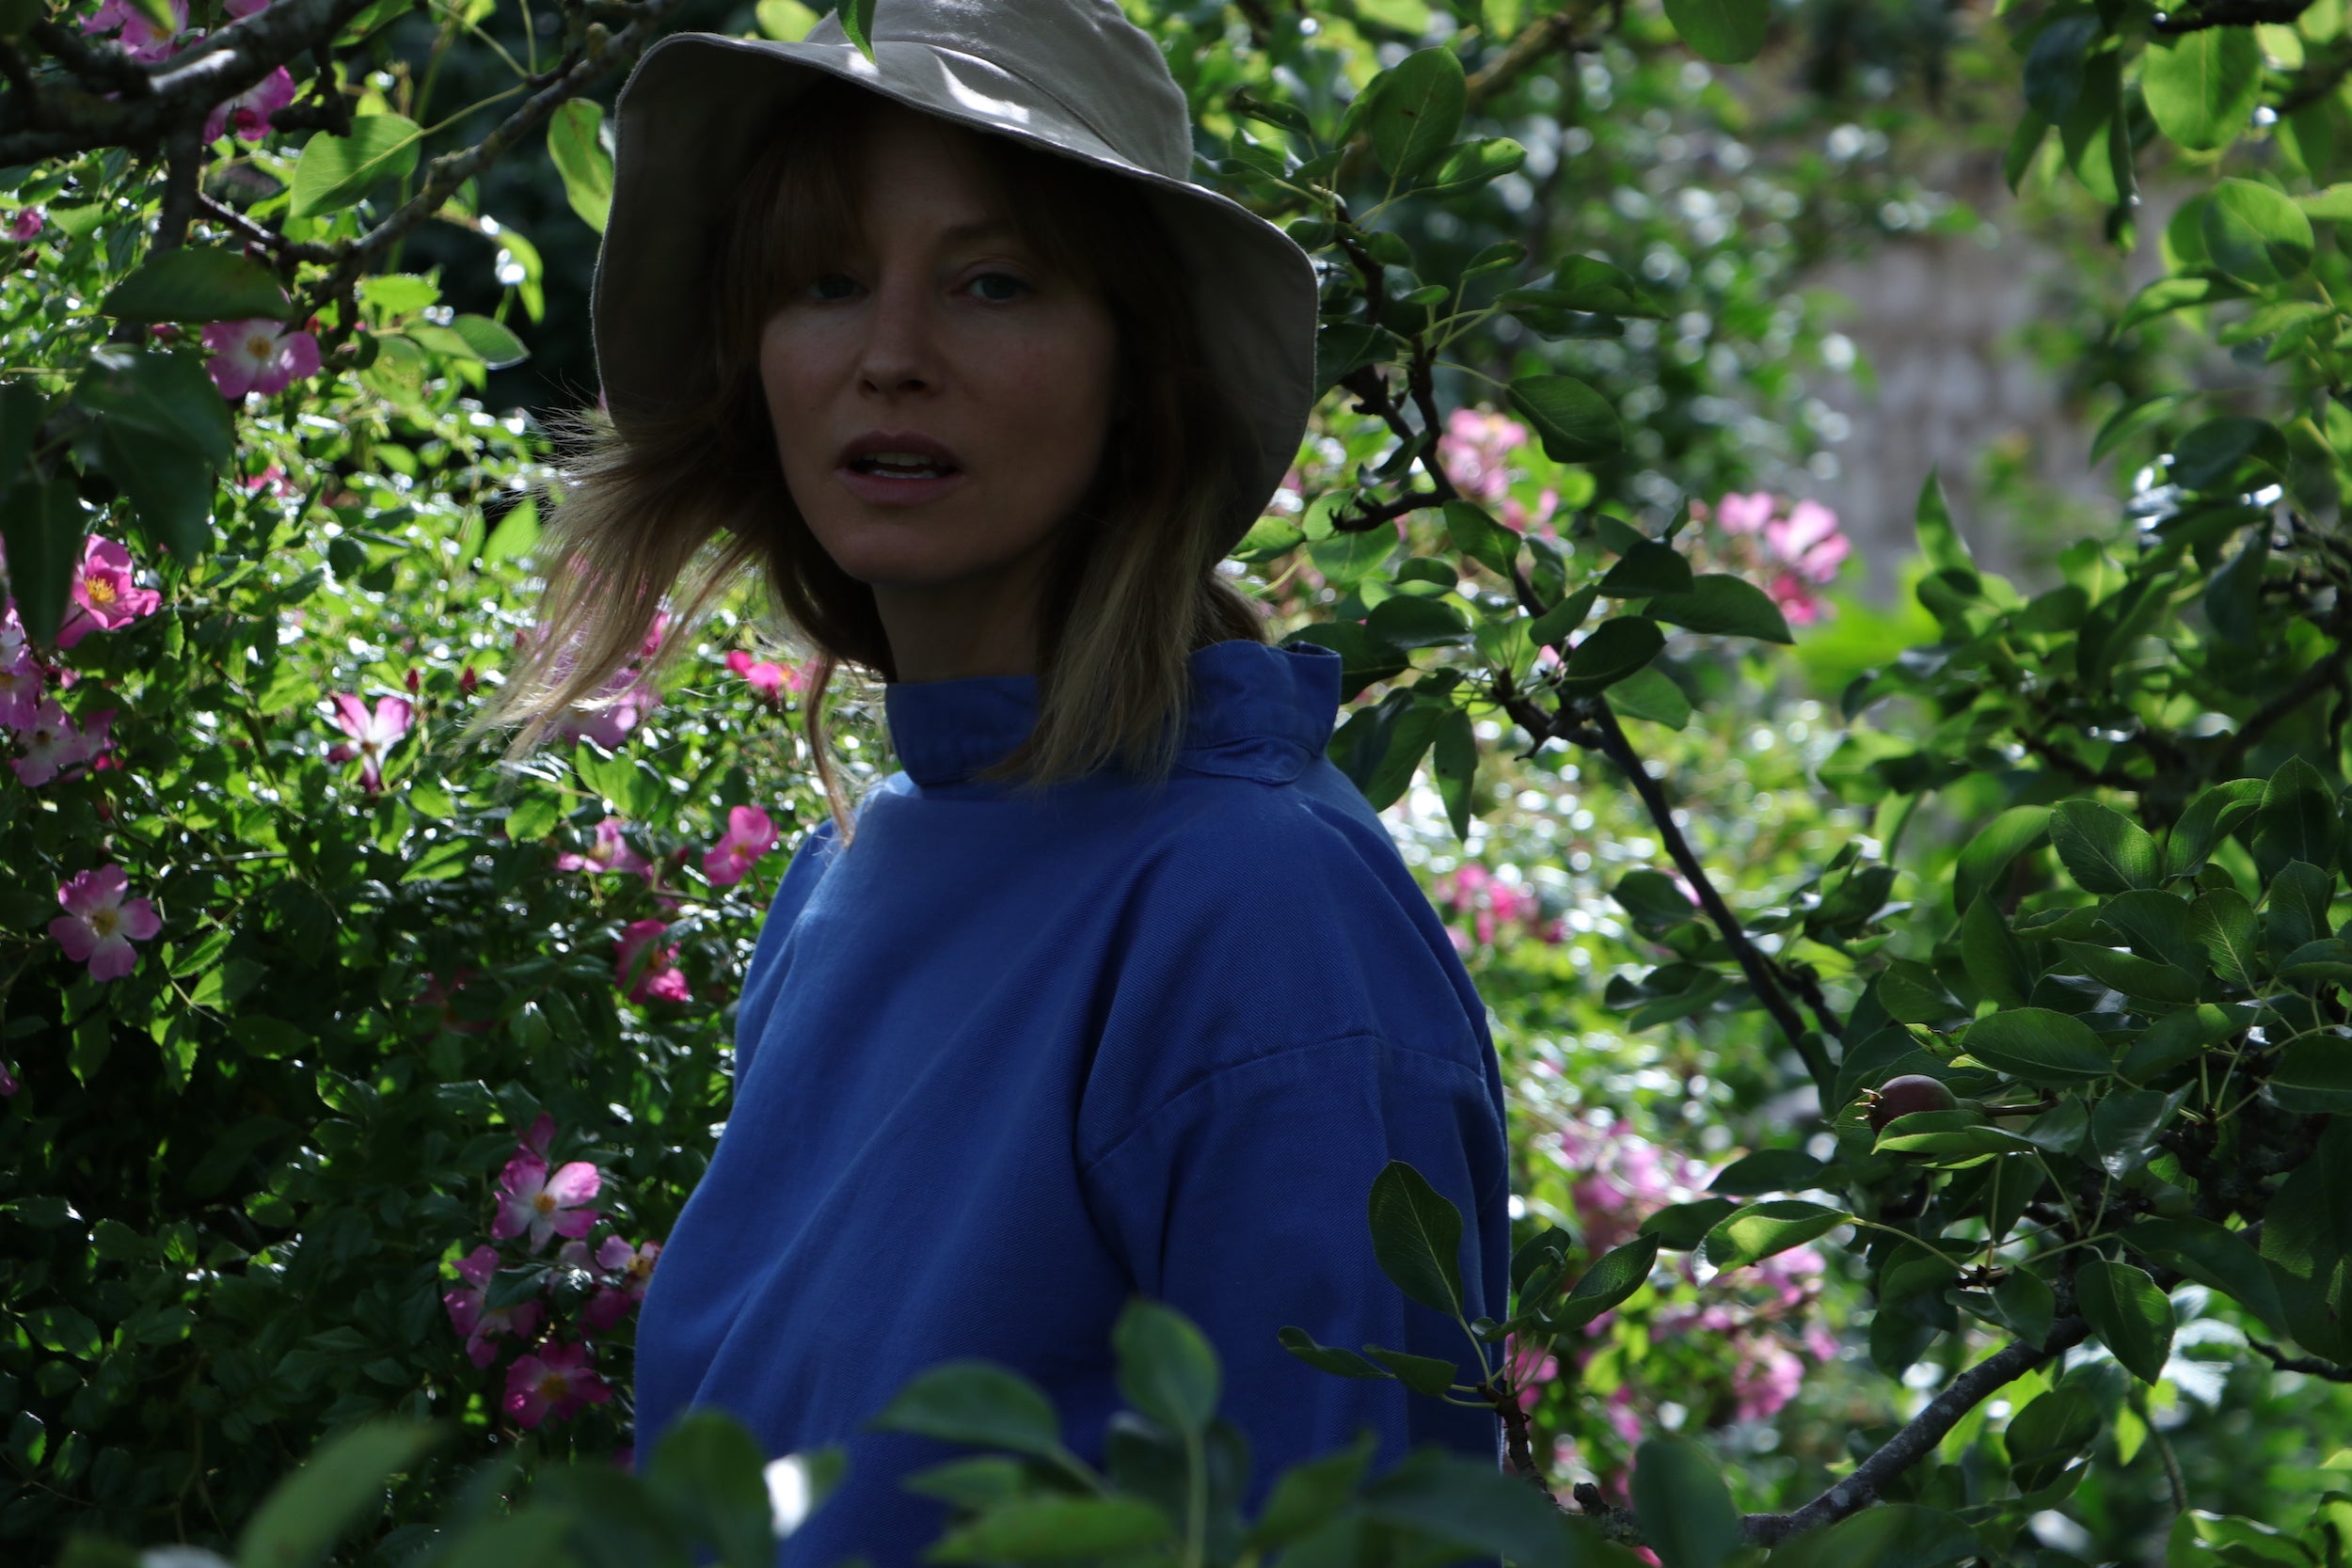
(941, 326)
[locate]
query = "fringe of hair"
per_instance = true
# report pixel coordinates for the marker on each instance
(700, 500)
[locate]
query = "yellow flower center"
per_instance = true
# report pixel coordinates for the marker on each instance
(101, 589)
(104, 921)
(544, 1203)
(554, 1387)
(260, 345)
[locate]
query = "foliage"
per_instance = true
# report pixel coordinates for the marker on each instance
(307, 1006)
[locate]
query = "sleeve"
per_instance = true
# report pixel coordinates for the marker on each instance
(1242, 1202)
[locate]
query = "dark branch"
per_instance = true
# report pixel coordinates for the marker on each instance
(2227, 13)
(229, 218)
(1918, 1438)
(224, 64)
(99, 63)
(2310, 1366)
(1753, 963)
(1558, 31)
(445, 174)
(2324, 671)
(184, 155)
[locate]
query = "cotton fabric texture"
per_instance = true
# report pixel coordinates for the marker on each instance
(1074, 78)
(1001, 1064)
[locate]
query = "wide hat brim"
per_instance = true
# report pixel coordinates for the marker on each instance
(686, 131)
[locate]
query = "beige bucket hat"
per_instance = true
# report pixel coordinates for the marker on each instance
(1073, 77)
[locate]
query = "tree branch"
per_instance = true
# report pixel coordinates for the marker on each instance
(219, 68)
(183, 164)
(2228, 13)
(2322, 674)
(1557, 31)
(2310, 1366)
(443, 175)
(1918, 1438)
(1753, 963)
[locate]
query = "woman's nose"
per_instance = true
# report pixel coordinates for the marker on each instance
(900, 345)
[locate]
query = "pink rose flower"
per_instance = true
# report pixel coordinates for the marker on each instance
(375, 733)
(28, 223)
(769, 680)
(531, 1200)
(632, 1267)
(555, 1379)
(21, 680)
(482, 1324)
(137, 35)
(249, 114)
(539, 1136)
(54, 747)
(9, 1084)
(611, 852)
(106, 592)
(750, 834)
(645, 968)
(99, 925)
(1738, 513)
(259, 356)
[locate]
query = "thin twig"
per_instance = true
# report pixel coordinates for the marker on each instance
(298, 251)
(2227, 13)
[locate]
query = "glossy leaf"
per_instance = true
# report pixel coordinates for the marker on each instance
(2128, 1313)
(334, 171)
(1679, 1500)
(2052, 1049)
(197, 283)
(1417, 1237)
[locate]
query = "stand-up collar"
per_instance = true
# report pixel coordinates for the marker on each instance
(1257, 711)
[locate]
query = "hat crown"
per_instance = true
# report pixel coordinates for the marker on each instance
(1100, 67)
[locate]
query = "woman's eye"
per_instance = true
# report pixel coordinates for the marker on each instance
(816, 287)
(999, 277)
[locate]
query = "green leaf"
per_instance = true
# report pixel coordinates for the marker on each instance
(2104, 850)
(2202, 86)
(786, 21)
(2026, 1303)
(1454, 762)
(451, 857)
(1416, 110)
(1939, 540)
(2055, 62)
(2167, 294)
(42, 526)
(495, 346)
(1423, 1375)
(305, 1514)
(168, 485)
(1680, 1227)
(2212, 1255)
(1406, 621)
(1650, 693)
(1344, 347)
(22, 409)
(1724, 606)
(2135, 977)
(580, 160)
(1614, 1277)
(1556, 625)
(1309, 1493)
(1167, 1368)
(1615, 649)
(2210, 818)
(707, 1469)
(1649, 567)
(2131, 419)
(2050, 1049)
(1573, 422)
(1769, 1170)
(1460, 1502)
(1728, 32)
(1479, 536)
(2128, 1313)
(1761, 1229)
(974, 1402)
(1470, 165)
(1417, 1237)
(1892, 1535)
(2313, 1075)
(1053, 1529)
(1999, 841)
(1326, 1358)
(2223, 922)
(1681, 1502)
(161, 396)
(197, 283)
(1992, 956)
(334, 171)
(2255, 234)
(2298, 818)
(2044, 1436)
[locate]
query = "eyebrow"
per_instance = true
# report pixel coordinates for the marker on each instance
(980, 229)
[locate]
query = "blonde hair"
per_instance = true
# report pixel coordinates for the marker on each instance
(1131, 589)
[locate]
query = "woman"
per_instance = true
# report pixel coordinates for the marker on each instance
(1118, 987)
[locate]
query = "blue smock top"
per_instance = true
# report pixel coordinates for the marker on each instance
(1003, 1064)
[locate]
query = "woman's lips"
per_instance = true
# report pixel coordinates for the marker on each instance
(881, 490)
